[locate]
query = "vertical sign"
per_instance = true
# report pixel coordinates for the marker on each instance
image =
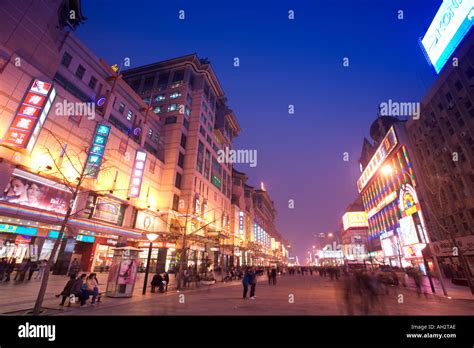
(30, 116)
(137, 174)
(241, 223)
(96, 153)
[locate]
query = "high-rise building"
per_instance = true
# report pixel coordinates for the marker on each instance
(186, 96)
(443, 144)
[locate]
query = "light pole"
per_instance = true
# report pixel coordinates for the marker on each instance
(151, 237)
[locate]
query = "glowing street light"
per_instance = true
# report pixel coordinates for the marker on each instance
(151, 237)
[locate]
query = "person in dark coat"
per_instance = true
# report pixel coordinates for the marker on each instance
(274, 276)
(246, 282)
(157, 281)
(33, 267)
(3, 267)
(253, 283)
(10, 268)
(67, 291)
(76, 288)
(166, 278)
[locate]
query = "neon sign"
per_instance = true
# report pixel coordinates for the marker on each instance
(408, 201)
(450, 25)
(137, 174)
(384, 149)
(96, 153)
(354, 219)
(30, 116)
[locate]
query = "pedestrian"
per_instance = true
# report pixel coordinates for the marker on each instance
(166, 279)
(10, 268)
(74, 268)
(21, 272)
(41, 267)
(253, 283)
(33, 266)
(67, 290)
(269, 275)
(157, 281)
(274, 276)
(3, 267)
(246, 282)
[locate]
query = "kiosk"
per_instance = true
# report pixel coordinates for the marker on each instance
(123, 272)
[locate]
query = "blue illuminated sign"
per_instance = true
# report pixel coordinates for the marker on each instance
(28, 231)
(85, 239)
(96, 153)
(450, 25)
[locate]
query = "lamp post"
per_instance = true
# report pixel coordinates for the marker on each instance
(151, 237)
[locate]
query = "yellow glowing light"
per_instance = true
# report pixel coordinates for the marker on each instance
(387, 169)
(262, 186)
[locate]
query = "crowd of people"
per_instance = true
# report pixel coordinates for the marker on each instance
(24, 270)
(80, 289)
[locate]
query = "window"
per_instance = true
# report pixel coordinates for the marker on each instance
(209, 140)
(189, 99)
(157, 109)
(130, 115)
(178, 76)
(203, 119)
(191, 81)
(175, 95)
(200, 156)
(207, 164)
(152, 165)
(216, 173)
(216, 149)
(147, 100)
(186, 123)
(175, 203)
(209, 127)
(156, 138)
(183, 141)
(177, 182)
(163, 81)
(172, 107)
(187, 110)
(148, 84)
(80, 71)
(92, 82)
(66, 61)
(202, 131)
(181, 160)
(160, 97)
(150, 133)
(121, 108)
(171, 120)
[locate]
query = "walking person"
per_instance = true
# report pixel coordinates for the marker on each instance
(10, 268)
(3, 267)
(74, 268)
(41, 267)
(21, 272)
(33, 266)
(274, 276)
(253, 283)
(269, 275)
(246, 282)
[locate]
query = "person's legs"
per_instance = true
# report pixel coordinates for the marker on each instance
(252, 290)
(63, 300)
(84, 297)
(95, 293)
(246, 287)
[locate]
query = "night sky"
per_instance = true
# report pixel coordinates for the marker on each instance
(284, 62)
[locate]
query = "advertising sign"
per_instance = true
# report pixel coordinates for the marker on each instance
(107, 210)
(354, 219)
(149, 222)
(96, 153)
(389, 246)
(413, 251)
(34, 191)
(408, 201)
(30, 116)
(450, 25)
(407, 231)
(384, 149)
(29, 231)
(137, 174)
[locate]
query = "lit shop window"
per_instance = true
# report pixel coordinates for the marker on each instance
(172, 107)
(150, 133)
(157, 109)
(121, 108)
(160, 97)
(130, 115)
(175, 95)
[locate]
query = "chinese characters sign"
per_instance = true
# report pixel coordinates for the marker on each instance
(354, 219)
(96, 153)
(137, 174)
(30, 116)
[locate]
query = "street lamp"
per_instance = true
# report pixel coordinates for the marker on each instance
(151, 237)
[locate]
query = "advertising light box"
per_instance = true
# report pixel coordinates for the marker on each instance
(354, 219)
(450, 25)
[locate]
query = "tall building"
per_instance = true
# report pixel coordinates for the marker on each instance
(186, 96)
(388, 187)
(354, 232)
(65, 111)
(443, 144)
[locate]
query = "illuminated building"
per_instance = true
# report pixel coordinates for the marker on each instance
(396, 229)
(354, 230)
(186, 96)
(443, 139)
(60, 99)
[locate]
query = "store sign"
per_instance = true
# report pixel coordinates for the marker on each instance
(241, 223)
(407, 231)
(107, 210)
(384, 149)
(30, 116)
(29, 231)
(332, 254)
(97, 150)
(450, 25)
(354, 219)
(384, 202)
(157, 245)
(413, 251)
(149, 222)
(408, 201)
(137, 174)
(445, 248)
(34, 191)
(85, 239)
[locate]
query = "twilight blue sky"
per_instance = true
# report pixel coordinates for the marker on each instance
(284, 62)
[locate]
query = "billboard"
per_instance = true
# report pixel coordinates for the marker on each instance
(30, 116)
(407, 231)
(34, 191)
(97, 150)
(149, 222)
(137, 174)
(450, 25)
(354, 219)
